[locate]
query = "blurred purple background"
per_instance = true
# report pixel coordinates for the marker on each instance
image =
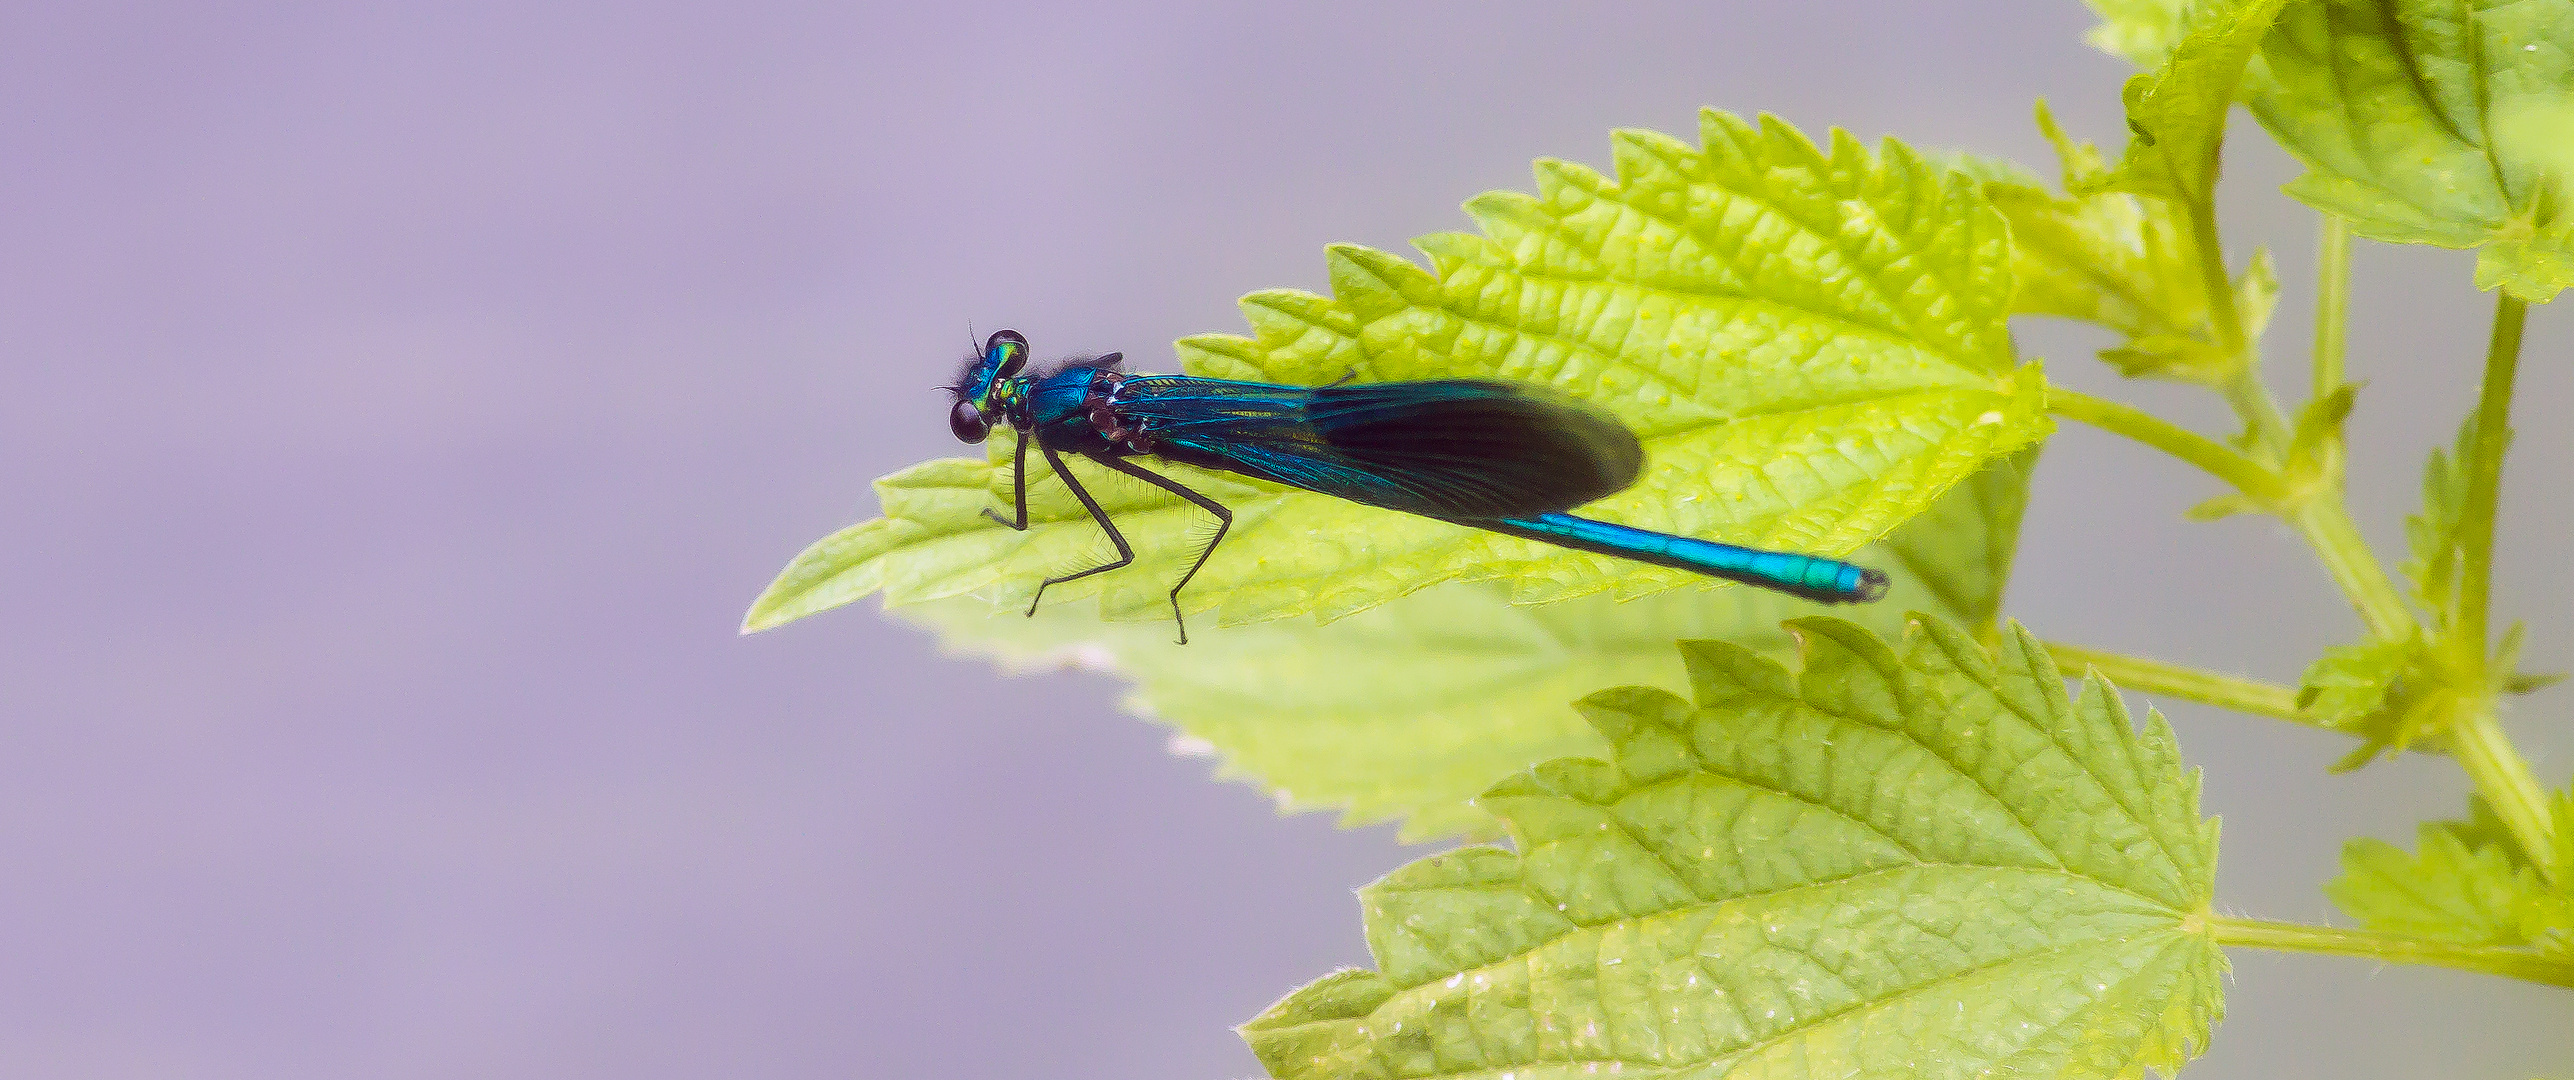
(402, 403)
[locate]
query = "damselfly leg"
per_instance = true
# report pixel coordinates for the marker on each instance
(1125, 554)
(1019, 488)
(1224, 521)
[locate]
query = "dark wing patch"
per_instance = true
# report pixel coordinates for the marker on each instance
(1464, 449)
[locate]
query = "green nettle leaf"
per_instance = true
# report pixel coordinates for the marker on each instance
(2177, 113)
(2350, 683)
(1988, 170)
(1810, 342)
(1927, 867)
(2111, 259)
(2447, 891)
(2115, 260)
(2545, 920)
(2391, 693)
(2481, 827)
(2434, 122)
(2434, 534)
(1409, 710)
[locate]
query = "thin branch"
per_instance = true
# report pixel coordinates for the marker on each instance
(2484, 475)
(2246, 475)
(2502, 776)
(2332, 303)
(2389, 948)
(2188, 684)
(2327, 525)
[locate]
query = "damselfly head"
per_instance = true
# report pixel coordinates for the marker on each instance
(1004, 354)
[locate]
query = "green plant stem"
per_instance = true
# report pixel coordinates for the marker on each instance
(2332, 303)
(2243, 388)
(2252, 401)
(2389, 948)
(2228, 319)
(2327, 526)
(2484, 476)
(2332, 333)
(2502, 776)
(2248, 476)
(2187, 684)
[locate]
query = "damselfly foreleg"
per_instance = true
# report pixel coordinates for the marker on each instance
(1019, 486)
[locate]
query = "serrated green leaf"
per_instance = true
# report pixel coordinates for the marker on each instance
(2394, 693)
(2445, 891)
(2546, 914)
(1815, 875)
(2481, 827)
(1810, 341)
(2116, 260)
(2350, 683)
(2107, 258)
(2434, 122)
(1407, 711)
(2434, 534)
(2177, 113)
(1988, 170)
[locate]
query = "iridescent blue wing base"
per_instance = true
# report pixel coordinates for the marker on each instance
(1452, 448)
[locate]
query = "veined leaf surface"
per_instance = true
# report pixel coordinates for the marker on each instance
(2434, 122)
(1809, 340)
(1932, 867)
(2447, 891)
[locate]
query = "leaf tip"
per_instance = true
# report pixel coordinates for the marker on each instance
(766, 613)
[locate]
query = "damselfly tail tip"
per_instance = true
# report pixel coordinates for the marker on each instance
(1872, 586)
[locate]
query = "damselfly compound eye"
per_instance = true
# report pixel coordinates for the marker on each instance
(968, 422)
(1007, 352)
